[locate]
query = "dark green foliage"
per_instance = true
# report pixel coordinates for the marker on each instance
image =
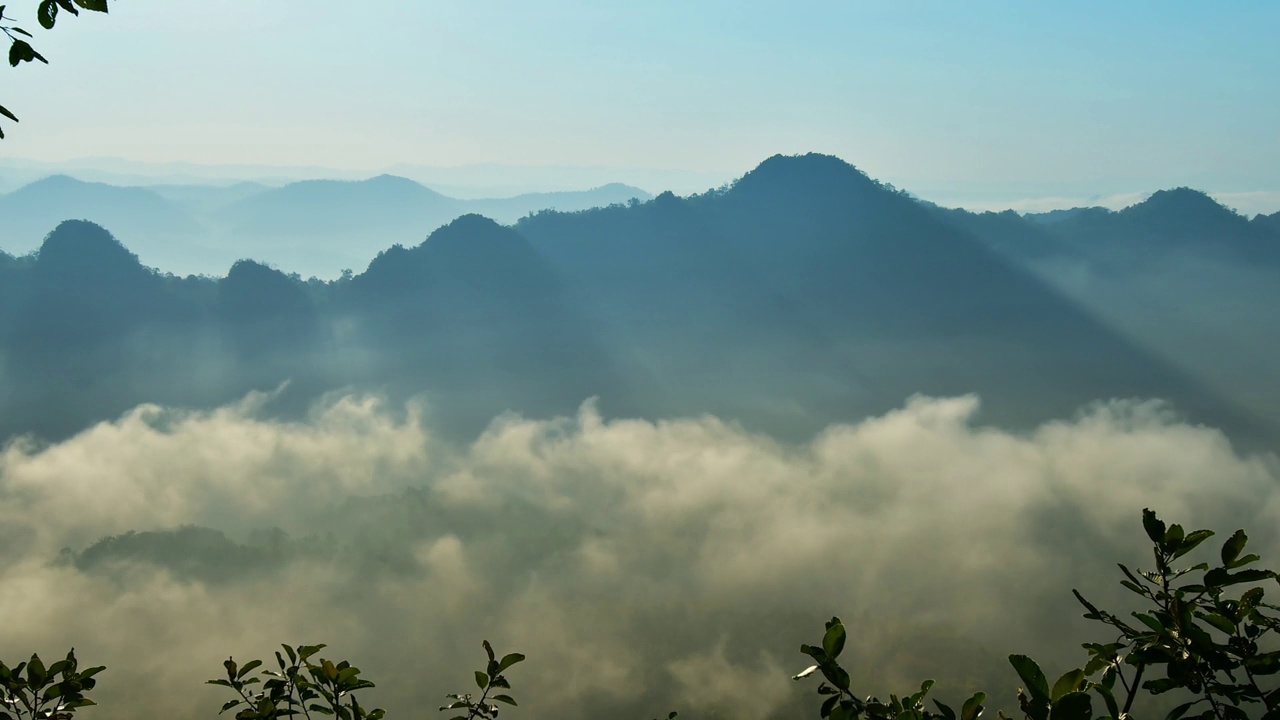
(32, 691)
(1204, 631)
(1201, 633)
(488, 680)
(842, 703)
(299, 687)
(20, 50)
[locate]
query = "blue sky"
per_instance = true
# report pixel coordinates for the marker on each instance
(952, 100)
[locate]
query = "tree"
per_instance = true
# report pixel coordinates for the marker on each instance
(1204, 633)
(20, 50)
(31, 691)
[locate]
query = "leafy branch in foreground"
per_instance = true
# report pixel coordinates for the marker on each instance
(31, 691)
(299, 687)
(487, 680)
(20, 50)
(1202, 630)
(843, 704)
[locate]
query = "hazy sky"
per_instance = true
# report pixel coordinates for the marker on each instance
(958, 100)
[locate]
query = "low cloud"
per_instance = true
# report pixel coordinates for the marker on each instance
(641, 566)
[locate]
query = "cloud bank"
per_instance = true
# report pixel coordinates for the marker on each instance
(641, 566)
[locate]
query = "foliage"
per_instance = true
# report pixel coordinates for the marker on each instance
(1199, 629)
(20, 50)
(487, 680)
(842, 703)
(299, 687)
(45, 693)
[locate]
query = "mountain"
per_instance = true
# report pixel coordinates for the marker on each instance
(312, 227)
(1269, 222)
(803, 294)
(1177, 273)
(151, 223)
(837, 297)
(201, 200)
(509, 210)
(315, 226)
(1181, 221)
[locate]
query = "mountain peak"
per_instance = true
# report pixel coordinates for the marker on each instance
(80, 247)
(814, 174)
(1182, 203)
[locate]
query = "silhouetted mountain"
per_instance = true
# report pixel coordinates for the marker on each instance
(1011, 234)
(203, 200)
(1170, 221)
(809, 276)
(803, 294)
(1178, 273)
(1053, 216)
(343, 223)
(151, 222)
(510, 210)
(321, 207)
(1269, 222)
(477, 308)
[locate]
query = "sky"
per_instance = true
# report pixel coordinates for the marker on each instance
(975, 103)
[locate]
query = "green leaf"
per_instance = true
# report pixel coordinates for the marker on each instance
(1232, 547)
(1153, 525)
(973, 707)
(1218, 621)
(1179, 711)
(1263, 663)
(47, 13)
(836, 675)
(833, 641)
(482, 680)
(94, 5)
(816, 653)
(1192, 541)
(1221, 578)
(20, 52)
(1244, 560)
(36, 674)
(1150, 621)
(505, 698)
(843, 711)
(508, 660)
(1160, 685)
(248, 668)
(306, 651)
(228, 705)
(828, 705)
(1108, 697)
(1031, 675)
(488, 649)
(1068, 683)
(1072, 706)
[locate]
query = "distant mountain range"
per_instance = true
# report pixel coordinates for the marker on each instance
(313, 227)
(803, 294)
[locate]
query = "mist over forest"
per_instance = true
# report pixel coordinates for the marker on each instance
(653, 442)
